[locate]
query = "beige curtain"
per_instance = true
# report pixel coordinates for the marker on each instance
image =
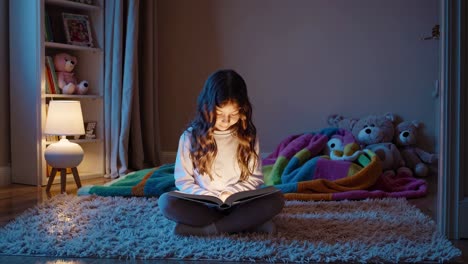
(144, 135)
(131, 124)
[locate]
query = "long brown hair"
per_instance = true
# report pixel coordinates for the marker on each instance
(222, 87)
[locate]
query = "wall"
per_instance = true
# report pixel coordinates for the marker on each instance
(4, 97)
(302, 61)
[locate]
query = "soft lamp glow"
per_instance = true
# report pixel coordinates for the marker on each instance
(64, 118)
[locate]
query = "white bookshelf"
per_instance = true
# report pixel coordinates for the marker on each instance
(28, 98)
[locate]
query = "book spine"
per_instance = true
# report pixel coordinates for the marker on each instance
(45, 36)
(46, 31)
(47, 82)
(50, 62)
(49, 76)
(48, 28)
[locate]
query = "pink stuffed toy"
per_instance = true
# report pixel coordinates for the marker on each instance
(415, 158)
(64, 65)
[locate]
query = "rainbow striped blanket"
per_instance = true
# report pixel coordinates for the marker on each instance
(301, 171)
(298, 167)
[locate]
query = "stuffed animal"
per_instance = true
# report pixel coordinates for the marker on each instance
(368, 130)
(342, 146)
(416, 159)
(64, 65)
(390, 156)
(373, 132)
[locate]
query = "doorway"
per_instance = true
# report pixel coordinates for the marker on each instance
(453, 187)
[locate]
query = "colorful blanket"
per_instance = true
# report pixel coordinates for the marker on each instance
(299, 170)
(147, 182)
(298, 167)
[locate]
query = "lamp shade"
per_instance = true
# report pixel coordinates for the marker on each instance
(64, 118)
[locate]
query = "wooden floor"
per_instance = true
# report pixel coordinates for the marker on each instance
(16, 198)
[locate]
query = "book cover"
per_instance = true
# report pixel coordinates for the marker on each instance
(236, 198)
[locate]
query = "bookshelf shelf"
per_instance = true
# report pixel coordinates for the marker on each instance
(64, 46)
(30, 80)
(70, 4)
(73, 96)
(78, 141)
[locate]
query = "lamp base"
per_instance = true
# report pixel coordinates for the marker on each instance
(63, 178)
(63, 154)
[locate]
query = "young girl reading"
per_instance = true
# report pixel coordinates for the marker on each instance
(218, 155)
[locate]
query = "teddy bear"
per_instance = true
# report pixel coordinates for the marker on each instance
(374, 132)
(64, 65)
(368, 130)
(406, 134)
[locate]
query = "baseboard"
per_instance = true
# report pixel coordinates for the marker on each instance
(5, 176)
(170, 156)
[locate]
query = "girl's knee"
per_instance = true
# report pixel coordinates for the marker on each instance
(272, 204)
(165, 203)
(278, 202)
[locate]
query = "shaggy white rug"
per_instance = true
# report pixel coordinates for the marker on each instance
(386, 230)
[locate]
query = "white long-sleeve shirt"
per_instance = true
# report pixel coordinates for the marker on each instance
(225, 171)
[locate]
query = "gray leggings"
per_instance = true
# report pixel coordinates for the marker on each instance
(238, 218)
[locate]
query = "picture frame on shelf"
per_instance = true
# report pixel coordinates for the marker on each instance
(77, 29)
(90, 130)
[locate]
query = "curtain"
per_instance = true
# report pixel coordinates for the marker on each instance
(130, 94)
(144, 140)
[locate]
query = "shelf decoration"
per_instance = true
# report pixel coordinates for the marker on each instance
(77, 29)
(90, 130)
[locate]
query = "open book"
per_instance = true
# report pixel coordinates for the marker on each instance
(236, 198)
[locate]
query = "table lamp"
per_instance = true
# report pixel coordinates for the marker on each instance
(64, 118)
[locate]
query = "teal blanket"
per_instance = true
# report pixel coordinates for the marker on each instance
(147, 182)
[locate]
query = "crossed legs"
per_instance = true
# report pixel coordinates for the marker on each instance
(200, 219)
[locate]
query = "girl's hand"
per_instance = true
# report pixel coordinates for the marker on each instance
(224, 195)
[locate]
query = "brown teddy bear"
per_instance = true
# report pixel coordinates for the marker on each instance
(374, 132)
(406, 134)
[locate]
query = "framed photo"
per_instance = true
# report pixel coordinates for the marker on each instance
(77, 29)
(90, 130)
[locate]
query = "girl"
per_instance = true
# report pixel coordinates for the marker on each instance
(218, 155)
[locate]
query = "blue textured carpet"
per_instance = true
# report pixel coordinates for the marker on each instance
(387, 230)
